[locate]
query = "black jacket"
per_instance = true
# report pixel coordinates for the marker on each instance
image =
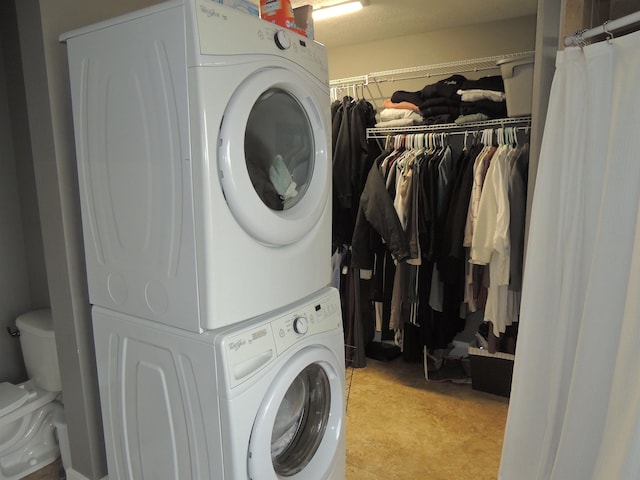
(377, 220)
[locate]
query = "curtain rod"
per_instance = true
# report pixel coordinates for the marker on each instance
(605, 28)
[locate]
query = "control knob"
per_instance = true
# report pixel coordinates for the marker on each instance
(300, 325)
(282, 40)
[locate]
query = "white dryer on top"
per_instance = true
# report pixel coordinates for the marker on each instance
(203, 145)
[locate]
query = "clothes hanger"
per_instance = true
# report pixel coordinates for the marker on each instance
(487, 137)
(430, 143)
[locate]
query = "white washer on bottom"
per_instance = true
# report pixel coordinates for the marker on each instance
(261, 400)
(283, 395)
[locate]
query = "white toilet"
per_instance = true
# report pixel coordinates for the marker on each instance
(27, 411)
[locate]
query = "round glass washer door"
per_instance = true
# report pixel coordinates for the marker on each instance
(297, 431)
(273, 157)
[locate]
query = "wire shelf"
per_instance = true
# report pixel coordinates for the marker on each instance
(448, 68)
(382, 132)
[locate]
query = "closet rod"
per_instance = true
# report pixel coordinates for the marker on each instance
(607, 27)
(522, 123)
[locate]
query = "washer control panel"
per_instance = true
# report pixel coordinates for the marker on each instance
(250, 350)
(322, 316)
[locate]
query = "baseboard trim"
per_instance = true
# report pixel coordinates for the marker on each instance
(73, 475)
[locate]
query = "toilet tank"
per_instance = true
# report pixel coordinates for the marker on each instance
(38, 343)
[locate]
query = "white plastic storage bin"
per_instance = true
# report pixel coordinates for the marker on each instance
(517, 74)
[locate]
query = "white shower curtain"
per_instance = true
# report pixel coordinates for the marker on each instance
(574, 412)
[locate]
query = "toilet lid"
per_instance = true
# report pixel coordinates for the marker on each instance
(11, 397)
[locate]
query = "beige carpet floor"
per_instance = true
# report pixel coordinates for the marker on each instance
(402, 427)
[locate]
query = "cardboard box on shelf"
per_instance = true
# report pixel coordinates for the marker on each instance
(304, 19)
(281, 13)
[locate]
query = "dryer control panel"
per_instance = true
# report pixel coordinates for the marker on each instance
(222, 31)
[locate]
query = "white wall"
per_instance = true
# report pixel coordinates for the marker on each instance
(23, 277)
(14, 282)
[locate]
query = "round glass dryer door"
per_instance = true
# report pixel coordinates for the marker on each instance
(296, 432)
(273, 158)
(279, 160)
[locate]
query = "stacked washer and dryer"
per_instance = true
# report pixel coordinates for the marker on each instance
(203, 146)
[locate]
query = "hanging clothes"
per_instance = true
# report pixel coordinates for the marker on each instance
(491, 243)
(377, 221)
(352, 159)
(518, 180)
(353, 156)
(436, 194)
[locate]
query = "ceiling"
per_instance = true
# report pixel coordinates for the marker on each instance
(383, 19)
